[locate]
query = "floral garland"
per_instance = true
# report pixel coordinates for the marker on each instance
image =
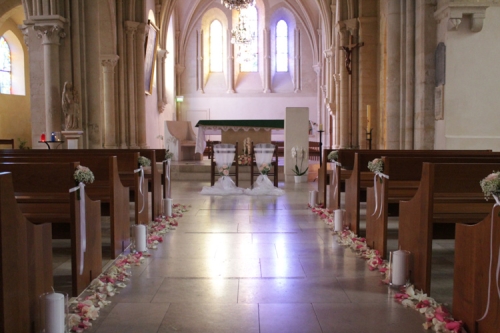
(85, 309)
(333, 155)
(437, 317)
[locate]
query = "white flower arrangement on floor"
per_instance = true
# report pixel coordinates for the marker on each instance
(144, 161)
(491, 185)
(83, 175)
(299, 153)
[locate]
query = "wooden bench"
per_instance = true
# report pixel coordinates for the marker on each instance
(447, 194)
(106, 188)
(472, 275)
(404, 178)
(8, 142)
(25, 263)
(42, 194)
(127, 163)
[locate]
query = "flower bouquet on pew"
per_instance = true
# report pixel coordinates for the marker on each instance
(83, 175)
(144, 161)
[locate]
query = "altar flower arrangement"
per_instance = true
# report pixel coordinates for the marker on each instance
(491, 185)
(264, 168)
(298, 153)
(168, 154)
(224, 170)
(144, 161)
(333, 156)
(376, 166)
(244, 159)
(83, 175)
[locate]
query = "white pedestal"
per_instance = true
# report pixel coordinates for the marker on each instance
(73, 139)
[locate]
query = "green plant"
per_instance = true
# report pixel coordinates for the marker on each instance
(22, 144)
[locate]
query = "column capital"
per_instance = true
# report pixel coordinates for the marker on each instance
(130, 27)
(162, 54)
(50, 34)
(454, 12)
(109, 61)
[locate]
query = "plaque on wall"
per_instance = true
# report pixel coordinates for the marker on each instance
(438, 102)
(440, 64)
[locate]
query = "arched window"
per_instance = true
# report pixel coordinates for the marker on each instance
(216, 49)
(281, 46)
(248, 53)
(5, 67)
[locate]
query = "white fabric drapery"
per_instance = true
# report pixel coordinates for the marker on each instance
(263, 159)
(224, 157)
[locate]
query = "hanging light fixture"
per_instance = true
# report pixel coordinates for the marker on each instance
(237, 4)
(242, 34)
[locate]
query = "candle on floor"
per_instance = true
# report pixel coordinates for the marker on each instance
(399, 259)
(54, 313)
(169, 207)
(313, 198)
(338, 220)
(140, 238)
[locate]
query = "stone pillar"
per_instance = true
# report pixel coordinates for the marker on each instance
(297, 63)
(230, 64)
(160, 79)
(199, 63)
(317, 69)
(410, 74)
(132, 132)
(108, 63)
(140, 86)
(51, 35)
(267, 60)
(393, 75)
(336, 141)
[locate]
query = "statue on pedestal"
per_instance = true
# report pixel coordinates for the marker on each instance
(70, 107)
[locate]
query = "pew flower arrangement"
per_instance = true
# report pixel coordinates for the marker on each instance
(376, 166)
(144, 161)
(83, 175)
(264, 168)
(333, 156)
(298, 153)
(168, 154)
(491, 185)
(224, 170)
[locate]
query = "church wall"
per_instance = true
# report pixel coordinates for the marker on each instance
(471, 98)
(15, 109)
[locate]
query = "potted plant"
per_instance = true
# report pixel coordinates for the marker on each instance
(299, 154)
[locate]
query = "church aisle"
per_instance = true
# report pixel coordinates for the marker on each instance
(253, 264)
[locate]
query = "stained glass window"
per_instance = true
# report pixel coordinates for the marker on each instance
(281, 46)
(216, 46)
(5, 67)
(247, 53)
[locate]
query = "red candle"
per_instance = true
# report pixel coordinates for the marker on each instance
(42, 137)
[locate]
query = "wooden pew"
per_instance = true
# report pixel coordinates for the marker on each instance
(361, 177)
(404, 178)
(472, 275)
(25, 263)
(127, 163)
(447, 194)
(42, 194)
(106, 188)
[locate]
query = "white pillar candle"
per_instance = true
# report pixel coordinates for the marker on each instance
(54, 313)
(169, 207)
(140, 238)
(313, 198)
(399, 268)
(338, 219)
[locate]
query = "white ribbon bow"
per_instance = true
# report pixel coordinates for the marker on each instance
(491, 261)
(380, 175)
(141, 181)
(83, 223)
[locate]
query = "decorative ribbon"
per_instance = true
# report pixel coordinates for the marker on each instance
(141, 181)
(380, 175)
(167, 180)
(83, 223)
(491, 261)
(334, 173)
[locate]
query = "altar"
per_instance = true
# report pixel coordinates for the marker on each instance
(232, 131)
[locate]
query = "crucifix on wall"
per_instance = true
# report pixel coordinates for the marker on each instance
(348, 65)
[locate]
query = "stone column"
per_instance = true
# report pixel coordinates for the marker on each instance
(160, 79)
(297, 65)
(140, 86)
(317, 70)
(130, 28)
(230, 64)
(199, 63)
(393, 75)
(267, 60)
(410, 74)
(51, 35)
(108, 63)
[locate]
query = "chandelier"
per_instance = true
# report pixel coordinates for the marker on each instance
(242, 34)
(237, 4)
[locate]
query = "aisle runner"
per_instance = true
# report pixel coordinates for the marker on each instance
(437, 316)
(84, 309)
